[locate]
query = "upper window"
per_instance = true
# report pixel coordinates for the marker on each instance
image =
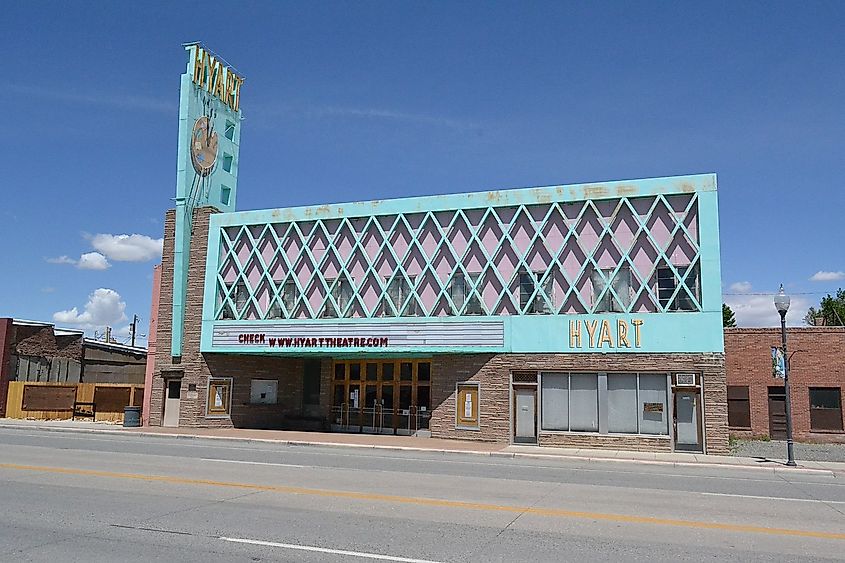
(461, 293)
(825, 408)
(687, 294)
(341, 292)
(289, 296)
(400, 300)
(529, 302)
(611, 293)
(230, 130)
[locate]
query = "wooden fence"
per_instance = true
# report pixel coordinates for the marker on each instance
(58, 401)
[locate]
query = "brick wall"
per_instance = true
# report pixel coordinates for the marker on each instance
(817, 359)
(492, 371)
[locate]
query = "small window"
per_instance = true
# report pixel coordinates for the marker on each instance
(739, 408)
(263, 391)
(219, 397)
(230, 130)
(687, 295)
(225, 194)
(275, 311)
(528, 282)
(458, 292)
(526, 290)
(289, 296)
(617, 297)
(825, 408)
(341, 292)
(241, 297)
(228, 160)
(423, 371)
(400, 300)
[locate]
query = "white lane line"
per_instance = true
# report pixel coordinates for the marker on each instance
(775, 498)
(327, 550)
(253, 462)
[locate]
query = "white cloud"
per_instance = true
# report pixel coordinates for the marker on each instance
(741, 287)
(128, 248)
(822, 276)
(93, 261)
(88, 261)
(104, 308)
(62, 260)
(759, 309)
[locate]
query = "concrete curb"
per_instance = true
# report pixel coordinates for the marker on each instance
(498, 454)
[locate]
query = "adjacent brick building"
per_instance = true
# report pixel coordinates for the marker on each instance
(816, 378)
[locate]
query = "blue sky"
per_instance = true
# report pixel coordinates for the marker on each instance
(349, 101)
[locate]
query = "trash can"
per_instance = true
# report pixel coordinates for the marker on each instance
(131, 417)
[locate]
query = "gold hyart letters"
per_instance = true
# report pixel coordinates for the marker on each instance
(218, 79)
(605, 333)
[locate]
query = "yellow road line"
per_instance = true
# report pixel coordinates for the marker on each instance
(550, 512)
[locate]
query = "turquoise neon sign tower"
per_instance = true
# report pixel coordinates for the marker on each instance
(207, 167)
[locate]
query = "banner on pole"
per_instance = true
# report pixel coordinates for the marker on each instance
(778, 363)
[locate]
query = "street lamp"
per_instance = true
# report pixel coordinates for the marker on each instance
(782, 305)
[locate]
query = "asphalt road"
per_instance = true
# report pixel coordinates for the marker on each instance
(84, 497)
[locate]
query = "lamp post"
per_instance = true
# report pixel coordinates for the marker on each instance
(782, 305)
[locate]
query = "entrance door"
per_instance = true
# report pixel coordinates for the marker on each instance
(172, 392)
(687, 421)
(777, 413)
(525, 415)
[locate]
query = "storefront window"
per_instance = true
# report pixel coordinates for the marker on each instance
(652, 408)
(555, 401)
(583, 402)
(634, 403)
(622, 403)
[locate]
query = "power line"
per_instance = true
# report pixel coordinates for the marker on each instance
(790, 293)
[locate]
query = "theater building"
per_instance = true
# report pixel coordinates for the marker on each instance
(570, 315)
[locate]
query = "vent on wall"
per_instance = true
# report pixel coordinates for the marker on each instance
(525, 377)
(685, 380)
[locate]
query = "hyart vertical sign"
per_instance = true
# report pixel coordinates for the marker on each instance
(207, 165)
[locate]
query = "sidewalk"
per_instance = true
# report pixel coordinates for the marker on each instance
(432, 445)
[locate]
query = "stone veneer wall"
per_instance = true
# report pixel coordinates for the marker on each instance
(492, 371)
(195, 368)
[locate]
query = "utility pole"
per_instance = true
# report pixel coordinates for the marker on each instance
(133, 328)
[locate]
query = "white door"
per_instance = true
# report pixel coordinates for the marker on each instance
(525, 416)
(686, 421)
(172, 392)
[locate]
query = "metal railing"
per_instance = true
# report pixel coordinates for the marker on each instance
(378, 420)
